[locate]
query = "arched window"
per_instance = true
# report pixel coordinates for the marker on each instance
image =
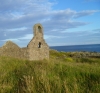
(39, 45)
(39, 29)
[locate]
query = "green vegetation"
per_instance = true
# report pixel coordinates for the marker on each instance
(63, 73)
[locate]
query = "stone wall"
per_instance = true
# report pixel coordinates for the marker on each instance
(10, 49)
(38, 53)
(37, 49)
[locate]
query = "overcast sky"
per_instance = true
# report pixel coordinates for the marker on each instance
(65, 22)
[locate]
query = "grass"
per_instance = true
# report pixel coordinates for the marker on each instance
(60, 74)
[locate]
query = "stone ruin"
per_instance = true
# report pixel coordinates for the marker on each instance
(37, 49)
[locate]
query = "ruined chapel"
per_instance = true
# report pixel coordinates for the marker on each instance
(37, 49)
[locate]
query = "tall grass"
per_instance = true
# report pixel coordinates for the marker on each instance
(59, 74)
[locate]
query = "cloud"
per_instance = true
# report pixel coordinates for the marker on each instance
(23, 5)
(26, 13)
(20, 13)
(85, 34)
(18, 16)
(85, 13)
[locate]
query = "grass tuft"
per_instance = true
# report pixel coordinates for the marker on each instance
(60, 74)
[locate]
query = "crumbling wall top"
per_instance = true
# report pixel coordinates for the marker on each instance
(38, 29)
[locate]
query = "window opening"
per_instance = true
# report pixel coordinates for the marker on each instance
(39, 28)
(39, 45)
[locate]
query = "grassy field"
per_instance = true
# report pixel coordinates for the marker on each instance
(62, 73)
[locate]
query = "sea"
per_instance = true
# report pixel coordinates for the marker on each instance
(78, 48)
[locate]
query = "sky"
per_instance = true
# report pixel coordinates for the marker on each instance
(65, 22)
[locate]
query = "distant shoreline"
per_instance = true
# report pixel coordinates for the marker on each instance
(74, 45)
(78, 48)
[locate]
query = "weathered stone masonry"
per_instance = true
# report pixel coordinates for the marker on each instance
(37, 49)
